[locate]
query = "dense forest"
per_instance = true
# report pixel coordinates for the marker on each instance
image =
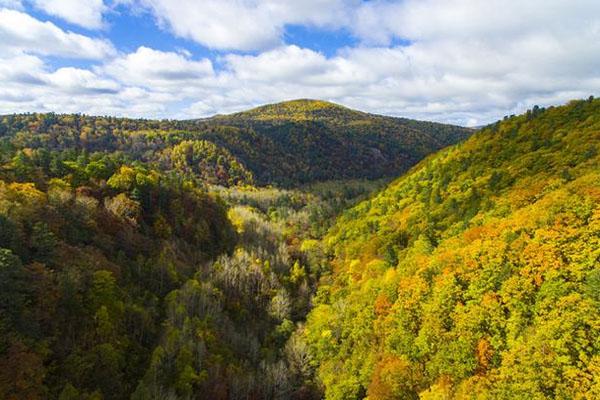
(138, 260)
(287, 150)
(266, 255)
(475, 275)
(122, 281)
(310, 140)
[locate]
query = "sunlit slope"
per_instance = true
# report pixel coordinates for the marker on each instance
(475, 275)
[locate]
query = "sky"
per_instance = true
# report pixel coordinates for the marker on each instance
(467, 62)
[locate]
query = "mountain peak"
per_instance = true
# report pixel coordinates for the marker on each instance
(299, 109)
(313, 104)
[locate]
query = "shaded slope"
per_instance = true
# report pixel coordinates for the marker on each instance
(85, 266)
(475, 275)
(311, 140)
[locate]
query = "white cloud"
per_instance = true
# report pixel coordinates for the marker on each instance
(156, 69)
(27, 84)
(495, 21)
(242, 24)
(19, 71)
(20, 32)
(282, 64)
(146, 83)
(86, 13)
(81, 81)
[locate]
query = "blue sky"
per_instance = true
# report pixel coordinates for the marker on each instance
(467, 62)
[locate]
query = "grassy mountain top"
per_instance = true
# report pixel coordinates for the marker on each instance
(476, 274)
(298, 109)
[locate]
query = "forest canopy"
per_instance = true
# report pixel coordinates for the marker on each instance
(258, 146)
(475, 275)
(266, 255)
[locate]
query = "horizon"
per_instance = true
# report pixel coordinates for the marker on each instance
(277, 103)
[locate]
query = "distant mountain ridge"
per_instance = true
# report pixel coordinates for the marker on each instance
(285, 144)
(314, 140)
(331, 113)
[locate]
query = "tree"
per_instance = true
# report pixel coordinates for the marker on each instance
(124, 208)
(14, 290)
(42, 242)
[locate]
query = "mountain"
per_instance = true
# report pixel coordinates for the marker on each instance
(145, 260)
(474, 275)
(285, 144)
(140, 263)
(313, 140)
(335, 115)
(140, 260)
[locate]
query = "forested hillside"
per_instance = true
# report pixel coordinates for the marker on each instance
(138, 261)
(310, 140)
(86, 262)
(147, 259)
(475, 275)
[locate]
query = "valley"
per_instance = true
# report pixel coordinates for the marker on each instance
(300, 250)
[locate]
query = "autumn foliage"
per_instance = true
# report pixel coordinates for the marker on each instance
(490, 277)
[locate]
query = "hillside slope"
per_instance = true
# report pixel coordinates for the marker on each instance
(286, 144)
(138, 261)
(475, 275)
(87, 260)
(312, 140)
